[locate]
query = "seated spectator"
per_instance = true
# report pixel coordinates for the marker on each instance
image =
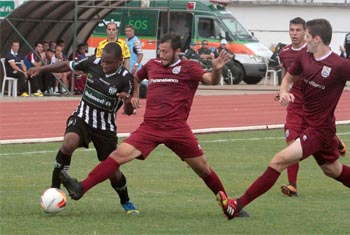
(62, 76)
(205, 55)
(15, 67)
(36, 59)
(191, 53)
(80, 77)
(49, 81)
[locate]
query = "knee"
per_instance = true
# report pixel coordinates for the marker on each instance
(68, 148)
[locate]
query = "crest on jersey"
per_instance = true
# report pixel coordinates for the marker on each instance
(112, 90)
(176, 69)
(326, 71)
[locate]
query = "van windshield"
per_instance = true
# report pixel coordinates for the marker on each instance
(237, 30)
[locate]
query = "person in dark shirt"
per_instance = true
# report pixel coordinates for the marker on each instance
(16, 68)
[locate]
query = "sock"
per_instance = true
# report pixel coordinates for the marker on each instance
(260, 186)
(121, 188)
(62, 162)
(101, 172)
(213, 182)
(292, 171)
(344, 176)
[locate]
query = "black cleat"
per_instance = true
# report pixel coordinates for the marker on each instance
(74, 188)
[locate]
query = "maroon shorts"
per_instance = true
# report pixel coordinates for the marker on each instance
(180, 140)
(324, 147)
(294, 121)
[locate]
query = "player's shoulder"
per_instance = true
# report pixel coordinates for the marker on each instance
(102, 43)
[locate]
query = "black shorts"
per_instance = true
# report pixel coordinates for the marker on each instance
(105, 142)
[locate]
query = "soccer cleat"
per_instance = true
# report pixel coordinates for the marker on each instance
(74, 188)
(130, 208)
(289, 190)
(228, 205)
(342, 148)
(24, 94)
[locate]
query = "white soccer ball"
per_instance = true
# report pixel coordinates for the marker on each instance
(53, 200)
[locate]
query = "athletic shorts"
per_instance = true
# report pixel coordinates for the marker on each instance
(294, 122)
(180, 140)
(105, 142)
(323, 147)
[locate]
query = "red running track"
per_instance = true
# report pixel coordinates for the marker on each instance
(46, 119)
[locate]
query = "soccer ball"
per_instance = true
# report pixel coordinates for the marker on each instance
(53, 200)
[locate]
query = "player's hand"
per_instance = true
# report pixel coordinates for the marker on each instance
(135, 101)
(286, 98)
(33, 71)
(123, 95)
(221, 60)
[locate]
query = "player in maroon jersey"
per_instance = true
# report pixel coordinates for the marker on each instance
(324, 75)
(294, 119)
(172, 85)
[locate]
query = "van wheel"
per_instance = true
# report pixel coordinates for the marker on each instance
(233, 77)
(252, 80)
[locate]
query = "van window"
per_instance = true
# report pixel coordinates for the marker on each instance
(236, 28)
(210, 28)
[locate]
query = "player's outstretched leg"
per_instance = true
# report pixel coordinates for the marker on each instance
(74, 188)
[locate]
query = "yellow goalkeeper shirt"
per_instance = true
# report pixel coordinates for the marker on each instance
(122, 44)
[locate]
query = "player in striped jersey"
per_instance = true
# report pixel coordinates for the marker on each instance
(108, 85)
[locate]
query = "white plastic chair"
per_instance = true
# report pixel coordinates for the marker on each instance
(271, 73)
(12, 82)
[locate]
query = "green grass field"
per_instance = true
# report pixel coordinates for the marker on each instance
(171, 198)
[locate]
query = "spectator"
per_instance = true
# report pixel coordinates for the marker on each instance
(135, 48)
(231, 64)
(112, 31)
(205, 55)
(45, 46)
(49, 81)
(80, 77)
(191, 53)
(60, 56)
(36, 59)
(16, 68)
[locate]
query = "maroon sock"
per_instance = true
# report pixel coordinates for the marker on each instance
(292, 171)
(344, 176)
(259, 187)
(213, 182)
(100, 173)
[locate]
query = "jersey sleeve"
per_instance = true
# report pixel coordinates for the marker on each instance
(125, 49)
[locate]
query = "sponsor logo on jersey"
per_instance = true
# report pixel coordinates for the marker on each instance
(326, 71)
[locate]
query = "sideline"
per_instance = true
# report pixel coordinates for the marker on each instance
(195, 131)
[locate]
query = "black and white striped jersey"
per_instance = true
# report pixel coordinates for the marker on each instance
(99, 102)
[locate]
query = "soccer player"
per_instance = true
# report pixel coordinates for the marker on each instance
(324, 75)
(172, 85)
(112, 36)
(294, 119)
(108, 84)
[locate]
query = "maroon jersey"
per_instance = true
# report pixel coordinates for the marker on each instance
(323, 83)
(294, 118)
(170, 90)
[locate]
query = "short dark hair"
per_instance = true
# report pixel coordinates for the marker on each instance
(298, 20)
(129, 26)
(113, 48)
(322, 28)
(173, 38)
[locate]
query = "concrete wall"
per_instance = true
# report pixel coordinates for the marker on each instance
(270, 23)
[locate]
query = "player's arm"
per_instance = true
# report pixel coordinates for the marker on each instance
(59, 67)
(284, 96)
(213, 78)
